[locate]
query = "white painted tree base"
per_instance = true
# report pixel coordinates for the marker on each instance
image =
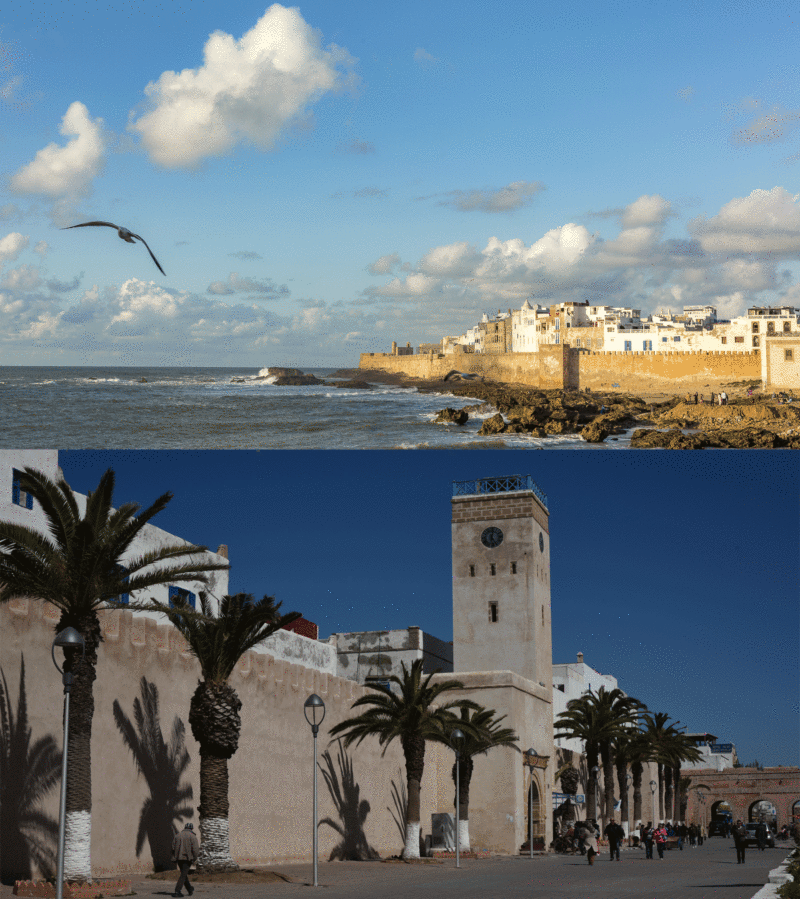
(78, 847)
(463, 835)
(411, 849)
(215, 852)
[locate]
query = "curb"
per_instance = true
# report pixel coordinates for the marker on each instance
(777, 877)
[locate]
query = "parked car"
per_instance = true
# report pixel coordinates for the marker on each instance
(752, 839)
(719, 827)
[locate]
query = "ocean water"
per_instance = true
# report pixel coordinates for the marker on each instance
(204, 408)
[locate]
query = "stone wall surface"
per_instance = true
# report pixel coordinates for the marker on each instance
(557, 367)
(270, 775)
(741, 788)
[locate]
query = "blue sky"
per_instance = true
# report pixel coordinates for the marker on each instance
(319, 180)
(675, 572)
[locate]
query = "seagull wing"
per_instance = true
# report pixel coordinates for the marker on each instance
(150, 252)
(84, 224)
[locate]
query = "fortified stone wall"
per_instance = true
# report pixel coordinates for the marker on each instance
(557, 367)
(270, 775)
(741, 788)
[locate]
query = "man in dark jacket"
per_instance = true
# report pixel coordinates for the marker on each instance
(615, 835)
(761, 835)
(185, 850)
(740, 841)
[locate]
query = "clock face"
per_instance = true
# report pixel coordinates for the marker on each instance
(541, 542)
(492, 538)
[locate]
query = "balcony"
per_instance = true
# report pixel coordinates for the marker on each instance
(516, 483)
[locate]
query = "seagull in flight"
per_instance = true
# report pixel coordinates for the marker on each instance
(125, 234)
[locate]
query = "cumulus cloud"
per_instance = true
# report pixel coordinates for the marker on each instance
(65, 173)
(11, 246)
(422, 56)
(764, 222)
(267, 289)
(504, 199)
(384, 265)
(249, 89)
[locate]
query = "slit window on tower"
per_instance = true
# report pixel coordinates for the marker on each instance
(513, 567)
(493, 612)
(493, 569)
(472, 571)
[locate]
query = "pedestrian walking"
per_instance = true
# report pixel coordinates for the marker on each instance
(693, 836)
(647, 839)
(683, 833)
(701, 834)
(761, 835)
(185, 850)
(695, 399)
(615, 835)
(739, 838)
(661, 839)
(588, 837)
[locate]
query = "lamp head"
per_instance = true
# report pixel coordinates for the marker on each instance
(316, 707)
(66, 639)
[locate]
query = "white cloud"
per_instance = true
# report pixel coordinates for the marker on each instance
(769, 127)
(11, 246)
(65, 174)
(504, 199)
(422, 56)
(384, 265)
(249, 89)
(764, 222)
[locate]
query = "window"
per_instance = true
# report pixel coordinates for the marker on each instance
(787, 327)
(18, 496)
(770, 327)
(493, 569)
(558, 339)
(181, 595)
(756, 340)
(664, 339)
(675, 339)
(723, 339)
(121, 599)
(647, 345)
(577, 341)
(738, 339)
(493, 612)
(558, 324)
(514, 564)
(627, 346)
(472, 571)
(788, 355)
(755, 327)
(378, 682)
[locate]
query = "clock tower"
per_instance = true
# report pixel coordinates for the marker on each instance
(501, 578)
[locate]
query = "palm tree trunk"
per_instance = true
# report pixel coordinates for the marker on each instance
(591, 785)
(668, 791)
(608, 782)
(215, 853)
(78, 830)
(466, 767)
(414, 751)
(660, 795)
(676, 779)
(622, 783)
(636, 771)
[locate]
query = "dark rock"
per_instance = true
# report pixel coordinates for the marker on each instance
(596, 432)
(300, 380)
(454, 416)
(355, 384)
(674, 439)
(493, 425)
(142, 380)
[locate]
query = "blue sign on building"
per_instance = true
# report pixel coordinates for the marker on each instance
(721, 747)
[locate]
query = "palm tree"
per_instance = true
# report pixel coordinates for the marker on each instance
(162, 765)
(637, 751)
(482, 732)
(27, 774)
(79, 566)
(598, 719)
(659, 734)
(680, 749)
(218, 642)
(570, 781)
(408, 714)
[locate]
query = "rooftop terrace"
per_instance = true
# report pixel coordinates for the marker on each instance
(515, 483)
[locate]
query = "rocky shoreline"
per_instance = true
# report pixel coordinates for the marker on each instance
(757, 420)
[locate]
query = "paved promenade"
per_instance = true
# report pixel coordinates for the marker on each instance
(708, 872)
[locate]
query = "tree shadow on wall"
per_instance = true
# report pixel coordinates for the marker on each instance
(352, 810)
(27, 774)
(400, 811)
(162, 765)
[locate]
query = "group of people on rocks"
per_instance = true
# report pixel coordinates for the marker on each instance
(721, 398)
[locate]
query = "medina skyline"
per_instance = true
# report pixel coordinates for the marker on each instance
(321, 180)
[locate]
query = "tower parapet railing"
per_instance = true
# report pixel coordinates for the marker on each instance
(515, 483)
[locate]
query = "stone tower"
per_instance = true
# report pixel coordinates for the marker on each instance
(501, 578)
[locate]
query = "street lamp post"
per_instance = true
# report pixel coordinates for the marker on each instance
(595, 771)
(532, 754)
(66, 639)
(316, 706)
(653, 787)
(455, 738)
